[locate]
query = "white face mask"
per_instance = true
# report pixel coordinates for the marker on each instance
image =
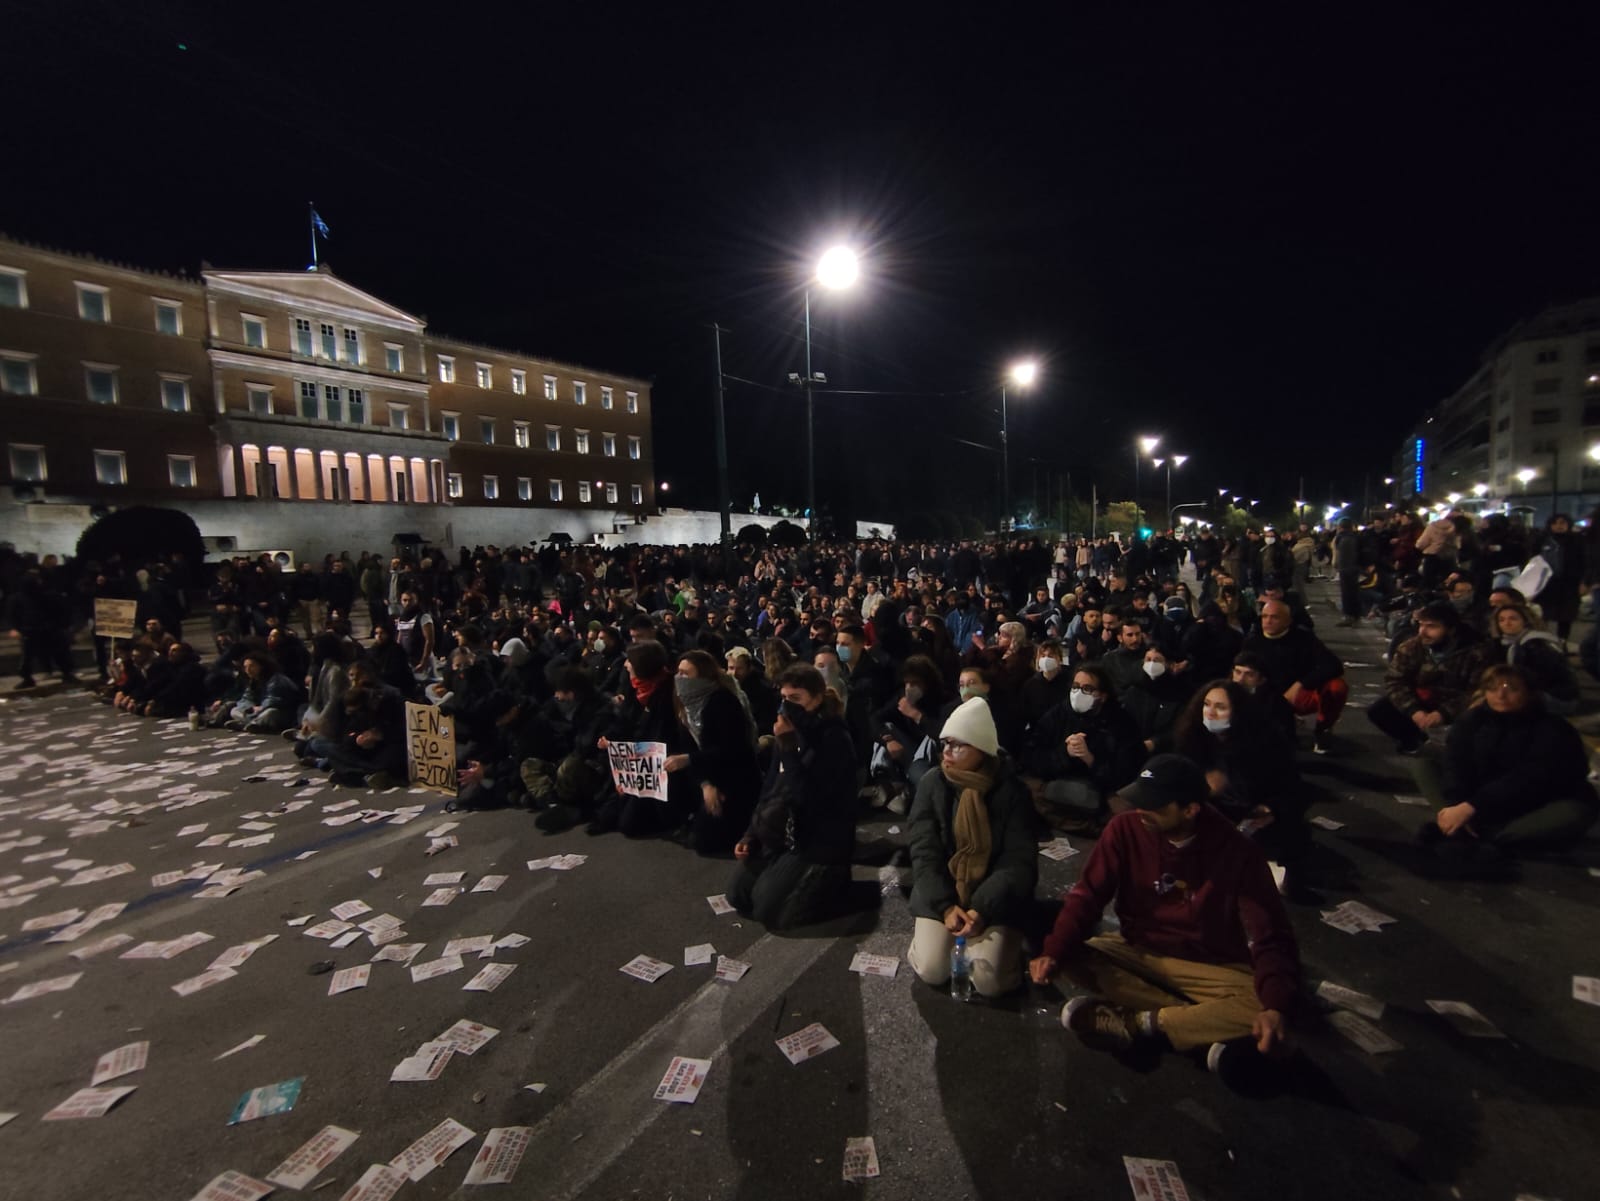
(1081, 701)
(1154, 668)
(1216, 724)
(1048, 665)
(600, 646)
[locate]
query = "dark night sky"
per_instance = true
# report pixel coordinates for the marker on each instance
(1271, 238)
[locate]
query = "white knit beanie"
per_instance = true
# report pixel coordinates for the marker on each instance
(973, 724)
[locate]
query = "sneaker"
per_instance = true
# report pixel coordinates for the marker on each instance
(897, 805)
(558, 818)
(380, 780)
(26, 682)
(1319, 743)
(874, 796)
(1410, 749)
(234, 723)
(1098, 1024)
(291, 734)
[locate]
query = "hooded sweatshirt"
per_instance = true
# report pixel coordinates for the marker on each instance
(1223, 908)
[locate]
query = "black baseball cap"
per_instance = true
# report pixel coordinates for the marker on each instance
(1165, 780)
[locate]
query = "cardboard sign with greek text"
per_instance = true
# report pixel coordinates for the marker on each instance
(639, 769)
(114, 618)
(430, 748)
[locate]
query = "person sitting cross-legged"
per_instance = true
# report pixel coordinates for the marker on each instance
(974, 857)
(1206, 956)
(1430, 678)
(1514, 776)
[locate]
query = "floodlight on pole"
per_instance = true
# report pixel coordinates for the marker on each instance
(1022, 373)
(1482, 490)
(837, 269)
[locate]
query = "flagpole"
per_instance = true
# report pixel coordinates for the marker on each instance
(311, 218)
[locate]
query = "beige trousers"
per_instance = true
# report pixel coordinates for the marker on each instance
(1196, 1004)
(996, 957)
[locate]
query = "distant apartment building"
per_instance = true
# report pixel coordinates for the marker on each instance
(1518, 434)
(123, 385)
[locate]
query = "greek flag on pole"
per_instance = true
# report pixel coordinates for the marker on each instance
(322, 226)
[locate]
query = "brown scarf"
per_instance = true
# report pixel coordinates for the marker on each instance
(970, 863)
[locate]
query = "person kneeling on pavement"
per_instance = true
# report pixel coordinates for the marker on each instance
(974, 857)
(1206, 957)
(1514, 776)
(795, 858)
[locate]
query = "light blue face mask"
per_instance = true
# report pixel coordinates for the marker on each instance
(844, 652)
(1216, 724)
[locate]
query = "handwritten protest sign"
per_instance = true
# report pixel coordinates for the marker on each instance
(430, 748)
(114, 618)
(639, 769)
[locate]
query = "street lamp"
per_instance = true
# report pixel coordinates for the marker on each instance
(1482, 490)
(1527, 475)
(1022, 374)
(837, 269)
(1146, 445)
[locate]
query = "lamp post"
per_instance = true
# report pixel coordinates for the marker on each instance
(836, 270)
(1144, 446)
(1174, 461)
(1022, 374)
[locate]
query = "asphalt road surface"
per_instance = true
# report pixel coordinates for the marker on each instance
(982, 1100)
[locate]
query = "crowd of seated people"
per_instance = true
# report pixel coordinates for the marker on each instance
(993, 694)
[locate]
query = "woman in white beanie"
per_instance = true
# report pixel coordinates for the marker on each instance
(974, 857)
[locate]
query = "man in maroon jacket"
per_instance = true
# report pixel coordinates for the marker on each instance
(1206, 954)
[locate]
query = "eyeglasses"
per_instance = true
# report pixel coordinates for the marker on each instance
(1081, 691)
(953, 746)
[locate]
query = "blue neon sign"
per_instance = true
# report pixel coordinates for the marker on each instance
(1418, 488)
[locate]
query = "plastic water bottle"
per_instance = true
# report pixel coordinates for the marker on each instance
(194, 718)
(960, 971)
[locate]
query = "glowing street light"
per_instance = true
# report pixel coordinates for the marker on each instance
(1453, 497)
(1022, 373)
(837, 269)
(1143, 447)
(1482, 490)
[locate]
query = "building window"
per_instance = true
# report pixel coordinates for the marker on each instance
(27, 464)
(308, 400)
(259, 399)
(583, 492)
(485, 376)
(100, 383)
(555, 489)
(608, 445)
(13, 288)
(399, 416)
(450, 426)
(352, 346)
(580, 392)
(633, 447)
(606, 399)
(1502, 425)
(447, 370)
(1550, 354)
(580, 441)
(552, 438)
(174, 394)
(549, 387)
(330, 341)
(1546, 416)
(356, 402)
(486, 430)
(1503, 453)
(633, 402)
(302, 336)
(524, 487)
(255, 332)
(1591, 413)
(452, 486)
(611, 494)
(1546, 387)
(169, 317)
(332, 406)
(519, 382)
(94, 303)
(110, 468)
(636, 493)
(521, 436)
(18, 376)
(180, 471)
(491, 487)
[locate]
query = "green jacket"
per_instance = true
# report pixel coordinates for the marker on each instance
(1004, 894)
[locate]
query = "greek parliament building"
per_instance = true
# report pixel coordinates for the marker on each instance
(1517, 436)
(290, 409)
